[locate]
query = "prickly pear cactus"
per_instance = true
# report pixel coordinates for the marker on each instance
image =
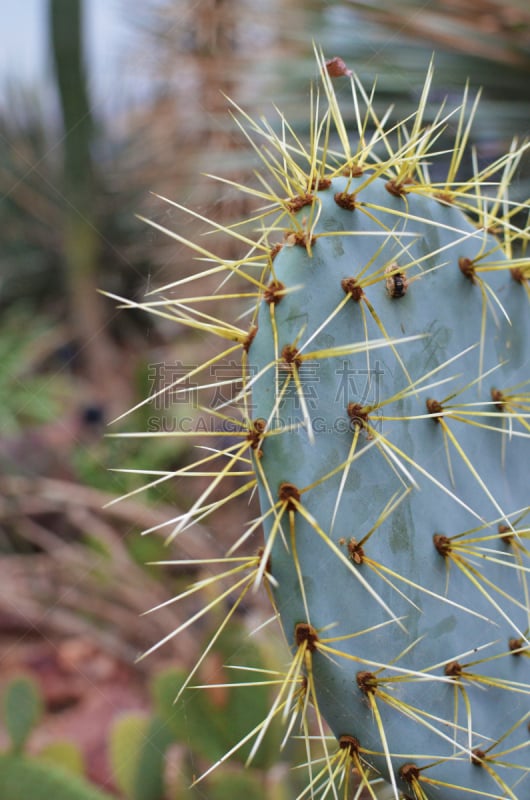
(386, 414)
(22, 777)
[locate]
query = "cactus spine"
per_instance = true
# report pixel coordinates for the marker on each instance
(385, 416)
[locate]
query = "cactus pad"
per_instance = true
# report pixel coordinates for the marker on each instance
(384, 418)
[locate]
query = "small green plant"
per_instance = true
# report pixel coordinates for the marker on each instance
(382, 414)
(26, 396)
(203, 725)
(44, 777)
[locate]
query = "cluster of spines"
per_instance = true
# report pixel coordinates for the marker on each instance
(289, 218)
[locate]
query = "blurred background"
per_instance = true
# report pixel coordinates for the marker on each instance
(105, 104)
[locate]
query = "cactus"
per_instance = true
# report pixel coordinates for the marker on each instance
(383, 416)
(137, 750)
(23, 708)
(44, 776)
(22, 777)
(233, 710)
(202, 726)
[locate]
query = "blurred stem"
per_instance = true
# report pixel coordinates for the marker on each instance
(66, 23)
(81, 246)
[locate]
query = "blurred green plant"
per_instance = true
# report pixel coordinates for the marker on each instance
(22, 711)
(23, 776)
(27, 395)
(194, 732)
(204, 725)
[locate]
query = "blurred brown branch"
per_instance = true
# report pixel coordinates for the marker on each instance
(66, 587)
(495, 30)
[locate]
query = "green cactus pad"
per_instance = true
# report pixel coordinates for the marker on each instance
(137, 751)
(22, 778)
(23, 707)
(392, 544)
(383, 415)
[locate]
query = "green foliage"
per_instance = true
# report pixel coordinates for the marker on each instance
(52, 773)
(64, 754)
(204, 725)
(150, 775)
(226, 785)
(127, 738)
(22, 710)
(211, 721)
(227, 782)
(188, 728)
(137, 749)
(27, 397)
(24, 778)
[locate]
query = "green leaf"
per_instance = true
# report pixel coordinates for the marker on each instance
(22, 710)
